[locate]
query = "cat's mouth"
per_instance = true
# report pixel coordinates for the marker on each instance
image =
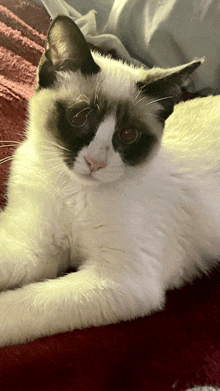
(96, 178)
(90, 177)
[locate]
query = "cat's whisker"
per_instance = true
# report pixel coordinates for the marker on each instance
(140, 100)
(58, 173)
(6, 159)
(58, 146)
(138, 94)
(63, 171)
(81, 98)
(97, 91)
(142, 87)
(8, 145)
(53, 159)
(158, 100)
(10, 141)
(151, 114)
(56, 168)
(86, 108)
(153, 101)
(89, 113)
(51, 153)
(51, 150)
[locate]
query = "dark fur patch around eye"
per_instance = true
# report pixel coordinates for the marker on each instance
(136, 152)
(78, 116)
(75, 134)
(71, 138)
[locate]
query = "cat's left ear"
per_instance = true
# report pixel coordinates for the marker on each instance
(165, 85)
(66, 50)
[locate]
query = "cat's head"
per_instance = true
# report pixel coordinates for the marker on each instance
(103, 115)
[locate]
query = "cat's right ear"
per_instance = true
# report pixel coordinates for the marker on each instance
(66, 50)
(165, 85)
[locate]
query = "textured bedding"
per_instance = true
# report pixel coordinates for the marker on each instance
(174, 349)
(22, 38)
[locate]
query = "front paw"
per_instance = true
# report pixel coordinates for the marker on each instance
(12, 318)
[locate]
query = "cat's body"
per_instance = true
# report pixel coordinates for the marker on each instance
(91, 188)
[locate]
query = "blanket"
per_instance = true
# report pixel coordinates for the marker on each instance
(22, 37)
(174, 349)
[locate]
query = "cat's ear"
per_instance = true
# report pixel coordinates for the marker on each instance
(66, 50)
(166, 85)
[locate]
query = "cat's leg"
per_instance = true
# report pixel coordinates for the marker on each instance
(77, 300)
(29, 249)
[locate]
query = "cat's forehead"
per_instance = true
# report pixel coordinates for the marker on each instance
(116, 81)
(104, 96)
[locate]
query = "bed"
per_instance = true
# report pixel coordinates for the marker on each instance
(175, 349)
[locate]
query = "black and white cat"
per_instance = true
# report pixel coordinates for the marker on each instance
(94, 188)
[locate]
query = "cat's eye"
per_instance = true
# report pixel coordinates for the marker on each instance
(128, 135)
(78, 117)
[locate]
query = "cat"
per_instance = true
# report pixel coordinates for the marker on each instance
(95, 188)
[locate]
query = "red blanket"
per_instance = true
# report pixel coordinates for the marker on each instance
(170, 350)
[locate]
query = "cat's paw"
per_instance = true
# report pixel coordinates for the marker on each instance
(13, 328)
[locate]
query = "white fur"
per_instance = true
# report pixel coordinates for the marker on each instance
(132, 232)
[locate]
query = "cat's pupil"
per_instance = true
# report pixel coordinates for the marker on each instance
(128, 135)
(77, 117)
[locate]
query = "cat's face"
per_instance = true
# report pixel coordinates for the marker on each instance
(103, 115)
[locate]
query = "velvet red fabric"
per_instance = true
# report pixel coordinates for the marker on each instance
(170, 350)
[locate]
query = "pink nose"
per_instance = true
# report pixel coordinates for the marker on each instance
(94, 164)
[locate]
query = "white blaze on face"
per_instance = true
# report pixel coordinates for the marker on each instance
(101, 151)
(101, 147)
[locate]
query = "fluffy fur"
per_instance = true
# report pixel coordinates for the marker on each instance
(132, 222)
